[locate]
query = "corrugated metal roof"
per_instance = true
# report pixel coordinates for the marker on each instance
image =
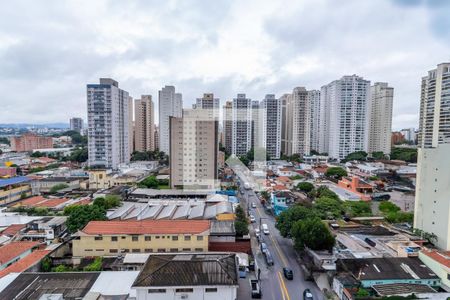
(13, 180)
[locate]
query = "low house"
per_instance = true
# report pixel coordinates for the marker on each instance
(13, 189)
(207, 276)
(281, 201)
(315, 159)
(12, 252)
(439, 263)
(355, 185)
(391, 275)
(44, 185)
(47, 229)
(112, 238)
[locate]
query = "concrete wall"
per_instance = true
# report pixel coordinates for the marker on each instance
(223, 293)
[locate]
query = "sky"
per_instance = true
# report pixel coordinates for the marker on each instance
(50, 50)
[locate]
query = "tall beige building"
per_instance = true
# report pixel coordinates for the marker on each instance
(286, 124)
(301, 115)
(193, 150)
(228, 126)
(144, 124)
(381, 104)
(130, 125)
(432, 205)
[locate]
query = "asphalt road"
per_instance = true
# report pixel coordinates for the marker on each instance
(274, 285)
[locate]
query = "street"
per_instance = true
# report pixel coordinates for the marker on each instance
(274, 285)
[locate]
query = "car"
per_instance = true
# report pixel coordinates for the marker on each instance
(288, 273)
(265, 229)
(253, 205)
(307, 295)
(252, 219)
(257, 233)
(263, 247)
(269, 258)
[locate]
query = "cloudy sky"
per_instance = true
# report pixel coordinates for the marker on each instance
(50, 50)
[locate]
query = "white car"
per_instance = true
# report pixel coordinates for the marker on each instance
(252, 219)
(265, 229)
(253, 205)
(257, 232)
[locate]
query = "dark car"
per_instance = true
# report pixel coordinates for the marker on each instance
(307, 295)
(263, 247)
(288, 273)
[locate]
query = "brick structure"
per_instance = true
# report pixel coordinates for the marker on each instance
(30, 141)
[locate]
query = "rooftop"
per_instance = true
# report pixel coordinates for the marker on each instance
(13, 180)
(147, 227)
(31, 286)
(386, 268)
(442, 257)
(14, 249)
(25, 263)
(188, 270)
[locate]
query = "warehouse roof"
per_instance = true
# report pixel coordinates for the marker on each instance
(13, 180)
(147, 227)
(188, 270)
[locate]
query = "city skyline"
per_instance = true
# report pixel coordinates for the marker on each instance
(399, 57)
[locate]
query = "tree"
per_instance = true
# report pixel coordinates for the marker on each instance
(150, 182)
(357, 208)
(241, 228)
(406, 154)
(328, 208)
(387, 207)
(305, 187)
(336, 172)
(95, 266)
(61, 268)
(80, 215)
(58, 187)
(312, 233)
(79, 155)
(293, 214)
(37, 154)
(324, 191)
(46, 264)
(5, 140)
(378, 155)
(358, 155)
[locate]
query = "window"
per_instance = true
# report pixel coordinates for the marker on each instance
(198, 249)
(184, 290)
(136, 250)
(211, 290)
(88, 250)
(200, 238)
(148, 238)
(98, 238)
(174, 238)
(124, 237)
(135, 238)
(161, 250)
(187, 249)
(157, 237)
(113, 251)
(148, 250)
(155, 291)
(187, 237)
(114, 239)
(173, 249)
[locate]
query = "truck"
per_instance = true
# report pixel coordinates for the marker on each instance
(256, 288)
(265, 229)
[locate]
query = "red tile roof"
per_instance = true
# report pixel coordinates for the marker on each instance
(442, 257)
(280, 187)
(147, 227)
(25, 263)
(284, 178)
(11, 230)
(39, 201)
(14, 249)
(31, 201)
(50, 203)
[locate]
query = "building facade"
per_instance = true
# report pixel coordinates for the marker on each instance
(170, 105)
(301, 119)
(286, 124)
(144, 124)
(432, 208)
(30, 141)
(241, 125)
(314, 128)
(409, 134)
(345, 105)
(112, 238)
(271, 126)
(108, 124)
(76, 124)
(228, 126)
(194, 150)
(381, 105)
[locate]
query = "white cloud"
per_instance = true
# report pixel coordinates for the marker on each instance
(49, 53)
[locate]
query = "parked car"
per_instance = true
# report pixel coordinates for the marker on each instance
(253, 205)
(252, 219)
(263, 247)
(257, 233)
(256, 288)
(265, 229)
(269, 258)
(288, 273)
(307, 295)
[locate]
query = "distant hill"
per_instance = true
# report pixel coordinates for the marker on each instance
(27, 125)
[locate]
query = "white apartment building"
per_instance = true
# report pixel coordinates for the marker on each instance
(228, 126)
(432, 205)
(301, 119)
(170, 105)
(257, 138)
(314, 104)
(242, 125)
(381, 105)
(207, 102)
(76, 124)
(286, 124)
(345, 116)
(144, 124)
(194, 150)
(130, 125)
(270, 116)
(108, 124)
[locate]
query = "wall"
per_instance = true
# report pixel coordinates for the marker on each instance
(437, 268)
(14, 194)
(102, 247)
(370, 283)
(223, 293)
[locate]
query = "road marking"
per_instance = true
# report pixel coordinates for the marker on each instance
(279, 251)
(288, 297)
(281, 286)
